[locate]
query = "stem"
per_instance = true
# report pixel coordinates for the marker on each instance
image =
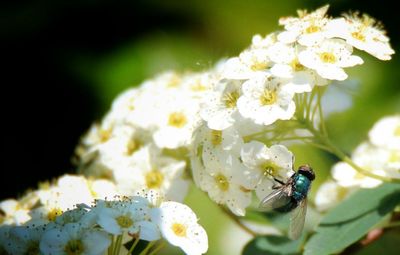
(148, 247)
(118, 244)
(324, 140)
(133, 245)
(237, 221)
(111, 247)
(159, 247)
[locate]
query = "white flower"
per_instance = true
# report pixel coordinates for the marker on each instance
(250, 63)
(74, 239)
(178, 225)
(266, 100)
(386, 132)
(264, 164)
(368, 158)
(309, 29)
(219, 108)
(178, 118)
(329, 195)
(287, 65)
(149, 169)
(13, 212)
(329, 58)
(223, 178)
(364, 33)
(131, 216)
(24, 240)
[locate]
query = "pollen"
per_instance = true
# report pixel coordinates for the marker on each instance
(358, 35)
(394, 157)
(397, 131)
(295, 64)
(222, 182)
(74, 247)
(33, 248)
(198, 86)
(124, 221)
(132, 146)
(268, 97)
(312, 29)
(269, 169)
(52, 215)
(174, 81)
(216, 137)
(328, 57)
(154, 179)
(230, 99)
(258, 66)
(179, 229)
(104, 134)
(177, 119)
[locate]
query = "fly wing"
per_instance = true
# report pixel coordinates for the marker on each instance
(297, 220)
(278, 198)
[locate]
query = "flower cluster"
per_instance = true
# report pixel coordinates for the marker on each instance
(84, 229)
(221, 124)
(259, 88)
(379, 155)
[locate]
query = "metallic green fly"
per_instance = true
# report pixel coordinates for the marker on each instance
(291, 197)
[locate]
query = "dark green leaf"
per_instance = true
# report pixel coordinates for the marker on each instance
(353, 218)
(273, 245)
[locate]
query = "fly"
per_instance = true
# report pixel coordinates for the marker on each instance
(291, 197)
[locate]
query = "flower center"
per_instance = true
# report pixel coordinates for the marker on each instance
(216, 137)
(179, 229)
(52, 215)
(327, 57)
(269, 169)
(198, 86)
(177, 119)
(174, 81)
(394, 157)
(295, 64)
(312, 29)
(397, 131)
(154, 179)
(268, 97)
(230, 99)
(104, 135)
(74, 247)
(33, 249)
(358, 35)
(258, 66)
(133, 145)
(222, 182)
(124, 221)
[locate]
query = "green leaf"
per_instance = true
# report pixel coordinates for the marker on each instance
(273, 245)
(353, 218)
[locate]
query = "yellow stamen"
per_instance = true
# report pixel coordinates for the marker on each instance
(177, 119)
(295, 64)
(216, 137)
(74, 247)
(133, 145)
(258, 66)
(312, 29)
(52, 215)
(268, 97)
(230, 99)
(222, 182)
(124, 221)
(328, 57)
(154, 179)
(358, 35)
(179, 229)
